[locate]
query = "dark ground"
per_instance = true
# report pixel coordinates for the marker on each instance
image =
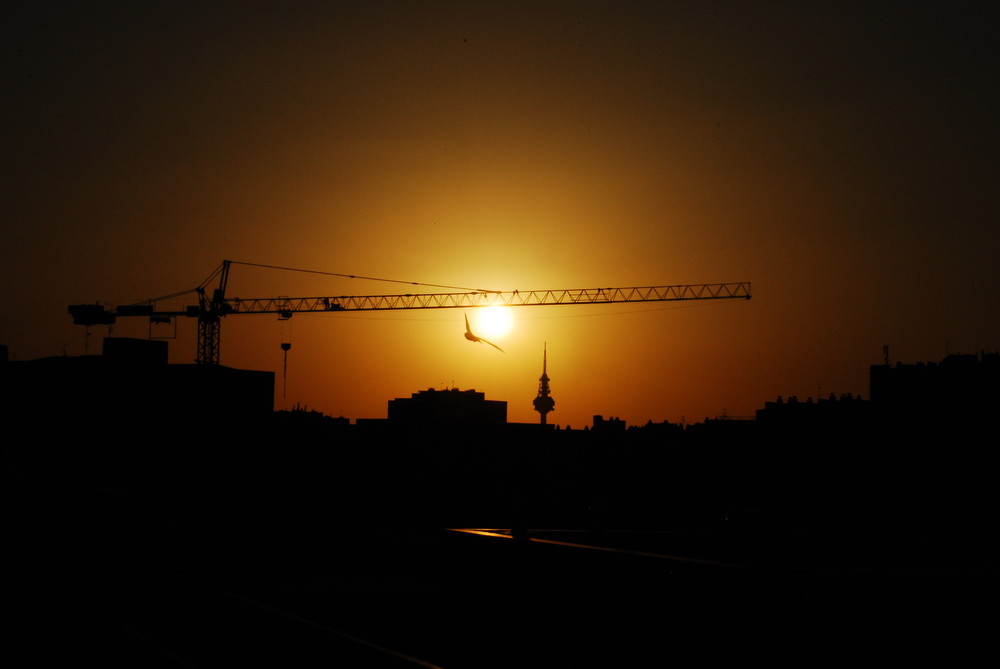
(372, 597)
(185, 572)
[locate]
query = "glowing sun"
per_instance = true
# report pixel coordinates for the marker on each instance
(494, 322)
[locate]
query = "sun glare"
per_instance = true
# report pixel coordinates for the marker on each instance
(494, 322)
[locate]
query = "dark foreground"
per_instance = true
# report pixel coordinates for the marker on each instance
(248, 559)
(292, 596)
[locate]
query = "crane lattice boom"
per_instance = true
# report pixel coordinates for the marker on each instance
(515, 298)
(210, 309)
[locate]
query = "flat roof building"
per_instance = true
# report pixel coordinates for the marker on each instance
(132, 390)
(448, 406)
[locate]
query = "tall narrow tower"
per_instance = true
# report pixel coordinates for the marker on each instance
(544, 402)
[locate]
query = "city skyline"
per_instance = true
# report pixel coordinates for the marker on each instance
(957, 386)
(840, 159)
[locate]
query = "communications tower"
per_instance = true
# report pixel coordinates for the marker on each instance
(544, 402)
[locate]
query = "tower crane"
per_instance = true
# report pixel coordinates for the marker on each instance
(212, 307)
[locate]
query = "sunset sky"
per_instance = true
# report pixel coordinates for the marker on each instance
(842, 157)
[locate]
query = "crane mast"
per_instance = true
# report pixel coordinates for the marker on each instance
(210, 312)
(212, 308)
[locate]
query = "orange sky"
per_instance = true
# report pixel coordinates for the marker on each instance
(841, 159)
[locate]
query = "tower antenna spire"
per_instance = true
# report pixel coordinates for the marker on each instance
(543, 402)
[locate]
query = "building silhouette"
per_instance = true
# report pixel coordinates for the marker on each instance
(830, 413)
(131, 389)
(451, 406)
(960, 390)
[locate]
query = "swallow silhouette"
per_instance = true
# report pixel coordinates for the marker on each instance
(472, 337)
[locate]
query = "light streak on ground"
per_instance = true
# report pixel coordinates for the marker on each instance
(505, 534)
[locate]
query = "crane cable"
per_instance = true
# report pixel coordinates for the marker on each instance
(354, 276)
(218, 270)
(180, 293)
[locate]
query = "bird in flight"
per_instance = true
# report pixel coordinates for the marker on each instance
(472, 337)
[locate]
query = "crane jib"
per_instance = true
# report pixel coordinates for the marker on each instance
(95, 314)
(209, 311)
(485, 299)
